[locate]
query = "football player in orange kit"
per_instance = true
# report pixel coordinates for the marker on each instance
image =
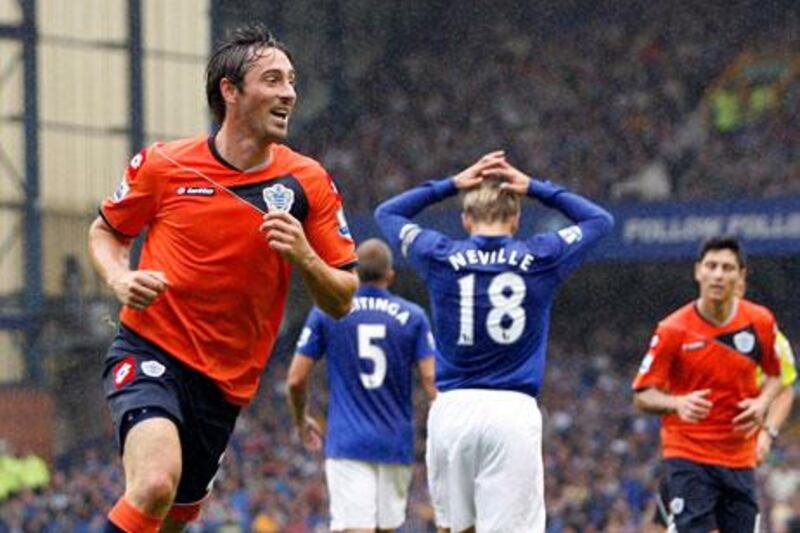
(699, 374)
(228, 217)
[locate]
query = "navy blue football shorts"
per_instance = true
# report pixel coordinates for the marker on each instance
(141, 381)
(703, 497)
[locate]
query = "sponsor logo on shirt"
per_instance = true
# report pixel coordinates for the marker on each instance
(692, 346)
(124, 372)
(571, 235)
(196, 191)
(278, 198)
(676, 505)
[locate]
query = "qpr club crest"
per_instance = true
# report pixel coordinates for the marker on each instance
(278, 197)
(744, 341)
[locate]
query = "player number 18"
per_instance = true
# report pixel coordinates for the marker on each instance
(506, 293)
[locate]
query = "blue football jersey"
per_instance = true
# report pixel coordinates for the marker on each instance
(491, 296)
(371, 354)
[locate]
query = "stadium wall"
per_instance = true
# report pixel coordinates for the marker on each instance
(84, 101)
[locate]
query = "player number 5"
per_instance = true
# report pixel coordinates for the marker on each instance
(366, 350)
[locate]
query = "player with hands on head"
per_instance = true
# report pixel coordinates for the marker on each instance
(228, 216)
(491, 296)
(371, 354)
(699, 374)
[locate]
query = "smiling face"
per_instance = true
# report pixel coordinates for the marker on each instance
(263, 105)
(719, 275)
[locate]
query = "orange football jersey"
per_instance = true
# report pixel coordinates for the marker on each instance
(226, 287)
(689, 353)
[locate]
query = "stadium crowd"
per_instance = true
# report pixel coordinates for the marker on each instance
(615, 109)
(601, 460)
(622, 107)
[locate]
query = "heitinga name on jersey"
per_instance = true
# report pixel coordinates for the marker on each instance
(368, 303)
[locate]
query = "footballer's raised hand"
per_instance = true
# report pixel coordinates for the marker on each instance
(514, 180)
(693, 407)
(474, 174)
(285, 235)
(139, 288)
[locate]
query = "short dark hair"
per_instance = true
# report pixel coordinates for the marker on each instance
(723, 243)
(374, 261)
(232, 58)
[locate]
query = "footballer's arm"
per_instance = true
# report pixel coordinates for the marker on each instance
(691, 407)
(297, 381)
(426, 377)
(111, 255)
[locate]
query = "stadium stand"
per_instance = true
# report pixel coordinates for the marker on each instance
(666, 100)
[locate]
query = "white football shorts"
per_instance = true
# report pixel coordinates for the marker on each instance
(484, 456)
(366, 495)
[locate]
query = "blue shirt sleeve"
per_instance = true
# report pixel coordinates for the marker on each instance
(426, 346)
(312, 339)
(592, 223)
(404, 236)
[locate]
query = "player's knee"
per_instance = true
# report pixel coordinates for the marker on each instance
(155, 491)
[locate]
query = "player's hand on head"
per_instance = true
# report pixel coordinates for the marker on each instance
(285, 234)
(139, 288)
(473, 175)
(514, 179)
(752, 414)
(695, 406)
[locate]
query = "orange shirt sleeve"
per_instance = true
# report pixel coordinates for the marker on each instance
(654, 372)
(770, 361)
(135, 202)
(326, 225)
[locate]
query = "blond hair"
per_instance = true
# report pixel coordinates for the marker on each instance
(489, 203)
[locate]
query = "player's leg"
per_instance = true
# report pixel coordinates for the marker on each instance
(152, 463)
(509, 484)
(353, 495)
(209, 421)
(693, 495)
(394, 481)
(450, 457)
(737, 510)
(146, 413)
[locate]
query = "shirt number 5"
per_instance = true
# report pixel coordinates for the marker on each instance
(366, 350)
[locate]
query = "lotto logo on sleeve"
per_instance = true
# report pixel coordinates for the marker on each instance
(124, 372)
